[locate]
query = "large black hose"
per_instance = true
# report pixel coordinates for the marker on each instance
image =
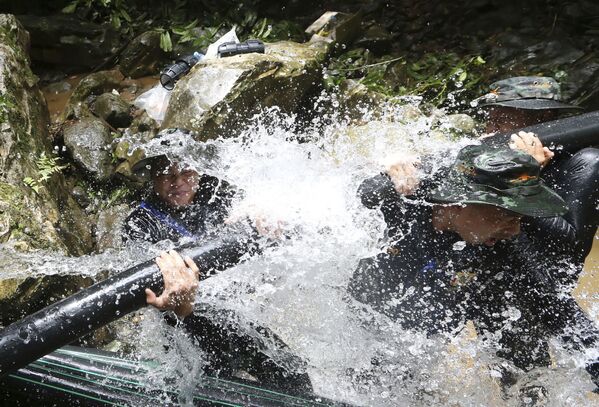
(67, 320)
(569, 134)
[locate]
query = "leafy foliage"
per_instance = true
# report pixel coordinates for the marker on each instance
(115, 11)
(46, 167)
(172, 20)
(437, 77)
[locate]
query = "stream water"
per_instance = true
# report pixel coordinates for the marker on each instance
(298, 288)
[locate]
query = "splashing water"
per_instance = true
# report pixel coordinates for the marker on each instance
(305, 182)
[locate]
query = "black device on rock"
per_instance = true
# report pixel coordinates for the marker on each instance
(228, 49)
(181, 67)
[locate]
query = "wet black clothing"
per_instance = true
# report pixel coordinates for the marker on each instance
(431, 281)
(576, 179)
(154, 221)
(227, 350)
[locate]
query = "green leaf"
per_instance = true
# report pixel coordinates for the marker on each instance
(463, 76)
(125, 15)
(165, 42)
(116, 21)
(70, 9)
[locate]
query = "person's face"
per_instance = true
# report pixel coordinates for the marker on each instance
(485, 224)
(505, 119)
(176, 187)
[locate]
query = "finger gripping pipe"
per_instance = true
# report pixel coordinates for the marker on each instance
(67, 320)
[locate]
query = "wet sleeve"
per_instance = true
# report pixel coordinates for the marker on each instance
(576, 180)
(141, 225)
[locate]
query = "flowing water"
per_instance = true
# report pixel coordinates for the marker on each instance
(305, 182)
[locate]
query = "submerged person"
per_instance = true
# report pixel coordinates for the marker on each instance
(450, 259)
(183, 204)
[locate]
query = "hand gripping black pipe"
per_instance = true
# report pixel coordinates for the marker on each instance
(63, 322)
(571, 133)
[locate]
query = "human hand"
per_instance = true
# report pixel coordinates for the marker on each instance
(268, 228)
(402, 169)
(530, 144)
(181, 277)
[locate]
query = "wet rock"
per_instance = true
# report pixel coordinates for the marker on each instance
(333, 26)
(581, 85)
(376, 39)
(58, 87)
(23, 296)
(94, 84)
(89, 141)
(460, 123)
(109, 225)
(527, 53)
(143, 56)
(356, 100)
(113, 109)
(70, 43)
(81, 196)
(218, 95)
(143, 123)
(42, 214)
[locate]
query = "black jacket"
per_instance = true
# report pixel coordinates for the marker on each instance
(154, 221)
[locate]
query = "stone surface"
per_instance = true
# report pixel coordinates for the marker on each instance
(376, 39)
(94, 84)
(47, 217)
(89, 141)
(69, 43)
(109, 225)
(20, 297)
(142, 56)
(113, 109)
(218, 95)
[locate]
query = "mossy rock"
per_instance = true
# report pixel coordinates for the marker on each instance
(46, 217)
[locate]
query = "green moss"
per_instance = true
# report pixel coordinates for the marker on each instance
(18, 224)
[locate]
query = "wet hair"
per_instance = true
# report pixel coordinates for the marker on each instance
(159, 165)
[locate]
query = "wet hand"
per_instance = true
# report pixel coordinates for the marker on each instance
(530, 144)
(402, 169)
(269, 228)
(181, 277)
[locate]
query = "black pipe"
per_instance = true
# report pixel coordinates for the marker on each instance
(67, 320)
(569, 134)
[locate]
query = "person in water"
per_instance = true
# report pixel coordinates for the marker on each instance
(525, 101)
(493, 276)
(184, 204)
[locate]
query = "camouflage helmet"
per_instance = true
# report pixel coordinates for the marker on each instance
(500, 177)
(525, 92)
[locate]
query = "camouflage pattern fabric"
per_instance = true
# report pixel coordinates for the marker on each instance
(501, 177)
(525, 92)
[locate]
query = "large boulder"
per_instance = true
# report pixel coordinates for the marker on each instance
(220, 94)
(69, 43)
(91, 86)
(113, 109)
(36, 209)
(41, 214)
(90, 142)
